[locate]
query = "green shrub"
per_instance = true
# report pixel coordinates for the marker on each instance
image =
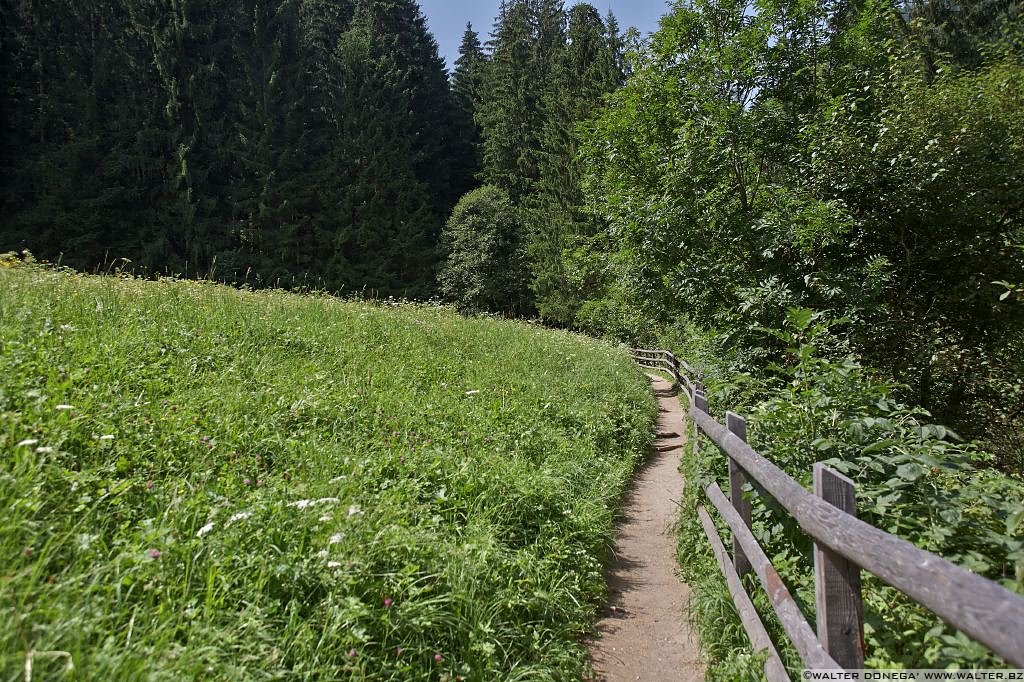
(915, 479)
(485, 268)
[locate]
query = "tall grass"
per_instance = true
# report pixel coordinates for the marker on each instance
(199, 482)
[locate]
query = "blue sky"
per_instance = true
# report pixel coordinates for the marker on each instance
(447, 18)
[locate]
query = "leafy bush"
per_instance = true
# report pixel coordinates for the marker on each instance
(915, 479)
(485, 268)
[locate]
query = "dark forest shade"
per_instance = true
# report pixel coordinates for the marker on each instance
(294, 140)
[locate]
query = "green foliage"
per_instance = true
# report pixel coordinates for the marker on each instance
(485, 268)
(915, 479)
(199, 482)
(804, 155)
(927, 173)
(548, 71)
(584, 72)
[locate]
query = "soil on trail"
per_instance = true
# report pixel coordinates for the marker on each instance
(644, 633)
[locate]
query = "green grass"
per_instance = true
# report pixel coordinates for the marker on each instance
(200, 482)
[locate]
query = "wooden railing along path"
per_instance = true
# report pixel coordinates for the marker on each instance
(843, 546)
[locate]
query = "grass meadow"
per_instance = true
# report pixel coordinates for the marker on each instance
(198, 482)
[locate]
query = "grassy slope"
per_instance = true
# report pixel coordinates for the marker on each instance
(481, 517)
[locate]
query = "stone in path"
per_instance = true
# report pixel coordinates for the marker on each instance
(644, 634)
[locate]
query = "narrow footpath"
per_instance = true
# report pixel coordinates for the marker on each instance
(644, 634)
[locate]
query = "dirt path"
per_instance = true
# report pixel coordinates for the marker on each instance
(644, 634)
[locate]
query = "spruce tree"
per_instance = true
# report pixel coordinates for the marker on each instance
(467, 86)
(586, 70)
(508, 114)
(467, 79)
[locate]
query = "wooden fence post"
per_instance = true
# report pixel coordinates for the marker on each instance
(837, 581)
(700, 401)
(737, 479)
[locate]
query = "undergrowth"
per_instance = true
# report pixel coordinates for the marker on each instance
(915, 479)
(205, 483)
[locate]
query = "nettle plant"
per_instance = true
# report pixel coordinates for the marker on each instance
(915, 479)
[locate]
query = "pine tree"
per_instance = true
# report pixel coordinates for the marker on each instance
(585, 72)
(467, 86)
(268, 129)
(467, 80)
(388, 167)
(508, 114)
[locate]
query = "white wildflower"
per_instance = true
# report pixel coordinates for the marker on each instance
(472, 392)
(303, 504)
(27, 442)
(333, 564)
(204, 530)
(335, 539)
(107, 437)
(325, 518)
(240, 516)
(337, 479)
(354, 509)
(64, 407)
(44, 450)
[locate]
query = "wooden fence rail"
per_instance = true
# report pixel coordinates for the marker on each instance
(843, 546)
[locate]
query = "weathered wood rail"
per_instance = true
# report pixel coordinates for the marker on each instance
(843, 546)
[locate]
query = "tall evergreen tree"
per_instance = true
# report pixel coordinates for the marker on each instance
(508, 115)
(467, 79)
(467, 86)
(584, 73)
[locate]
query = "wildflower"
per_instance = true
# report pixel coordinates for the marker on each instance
(398, 651)
(240, 516)
(438, 658)
(155, 554)
(472, 392)
(300, 504)
(44, 450)
(64, 407)
(107, 437)
(351, 653)
(388, 602)
(333, 564)
(354, 509)
(335, 539)
(204, 530)
(247, 481)
(28, 442)
(149, 485)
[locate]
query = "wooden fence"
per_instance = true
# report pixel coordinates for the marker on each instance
(843, 546)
